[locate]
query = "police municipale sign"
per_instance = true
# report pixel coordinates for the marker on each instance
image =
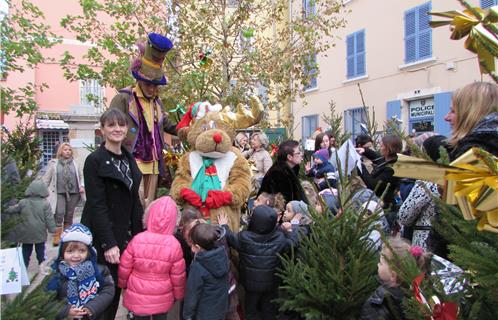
(422, 108)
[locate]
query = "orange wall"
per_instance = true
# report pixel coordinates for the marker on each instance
(61, 93)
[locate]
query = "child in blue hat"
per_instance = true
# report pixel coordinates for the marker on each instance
(87, 288)
(322, 170)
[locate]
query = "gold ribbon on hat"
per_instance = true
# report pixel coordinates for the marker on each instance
(471, 182)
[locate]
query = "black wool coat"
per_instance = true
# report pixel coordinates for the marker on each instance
(283, 179)
(112, 212)
(484, 136)
(382, 175)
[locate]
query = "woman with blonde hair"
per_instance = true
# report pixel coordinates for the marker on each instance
(65, 185)
(473, 118)
(241, 142)
(258, 154)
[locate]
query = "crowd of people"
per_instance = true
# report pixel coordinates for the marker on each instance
(170, 254)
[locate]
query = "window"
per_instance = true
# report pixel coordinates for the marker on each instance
(247, 40)
(4, 11)
(355, 121)
(355, 54)
(309, 125)
(310, 72)
(418, 33)
(309, 8)
(488, 3)
(263, 93)
(91, 93)
(51, 138)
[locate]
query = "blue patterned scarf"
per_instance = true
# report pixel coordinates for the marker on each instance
(82, 284)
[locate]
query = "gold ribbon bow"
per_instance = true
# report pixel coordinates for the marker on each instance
(479, 26)
(475, 189)
(471, 182)
(171, 158)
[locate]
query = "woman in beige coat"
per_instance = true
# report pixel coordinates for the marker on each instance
(258, 155)
(65, 185)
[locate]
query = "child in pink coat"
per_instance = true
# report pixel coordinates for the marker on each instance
(152, 269)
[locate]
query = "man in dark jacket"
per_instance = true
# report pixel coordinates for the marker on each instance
(258, 249)
(282, 177)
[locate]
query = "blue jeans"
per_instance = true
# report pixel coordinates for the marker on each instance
(27, 249)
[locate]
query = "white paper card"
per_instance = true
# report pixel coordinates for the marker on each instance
(347, 154)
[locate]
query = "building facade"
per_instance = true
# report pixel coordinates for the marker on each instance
(67, 111)
(406, 70)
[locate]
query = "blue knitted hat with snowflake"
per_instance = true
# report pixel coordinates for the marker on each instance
(77, 232)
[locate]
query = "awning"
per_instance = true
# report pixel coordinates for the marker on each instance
(51, 124)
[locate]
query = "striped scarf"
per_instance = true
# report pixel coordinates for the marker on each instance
(82, 284)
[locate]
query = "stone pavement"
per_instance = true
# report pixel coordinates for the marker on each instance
(51, 253)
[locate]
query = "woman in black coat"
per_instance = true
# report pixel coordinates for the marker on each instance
(473, 118)
(383, 173)
(112, 211)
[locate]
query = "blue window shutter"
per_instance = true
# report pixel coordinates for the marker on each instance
(360, 53)
(410, 36)
(424, 32)
(442, 104)
(393, 109)
(350, 56)
(488, 3)
(304, 128)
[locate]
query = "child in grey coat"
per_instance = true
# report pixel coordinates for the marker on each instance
(35, 217)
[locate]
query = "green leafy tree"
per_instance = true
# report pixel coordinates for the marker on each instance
(23, 36)
(223, 49)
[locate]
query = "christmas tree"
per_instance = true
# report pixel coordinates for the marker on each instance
(335, 269)
(20, 147)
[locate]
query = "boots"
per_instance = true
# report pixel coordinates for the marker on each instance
(66, 225)
(57, 236)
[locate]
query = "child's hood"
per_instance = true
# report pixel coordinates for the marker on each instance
(37, 188)
(214, 261)
(161, 216)
(263, 220)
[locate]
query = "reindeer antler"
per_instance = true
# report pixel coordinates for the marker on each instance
(243, 117)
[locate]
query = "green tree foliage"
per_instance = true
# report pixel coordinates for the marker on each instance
(22, 145)
(23, 36)
(34, 304)
(335, 270)
(335, 121)
(246, 44)
(475, 252)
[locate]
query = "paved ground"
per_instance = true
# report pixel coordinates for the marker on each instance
(51, 253)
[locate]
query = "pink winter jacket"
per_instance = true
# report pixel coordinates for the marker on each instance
(152, 269)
